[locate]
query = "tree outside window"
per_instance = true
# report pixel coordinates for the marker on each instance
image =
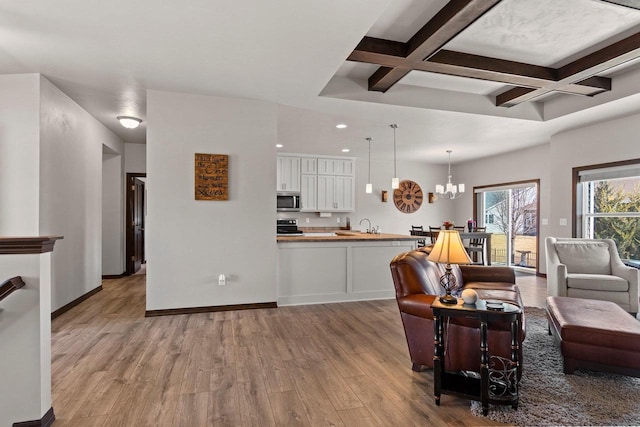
(612, 211)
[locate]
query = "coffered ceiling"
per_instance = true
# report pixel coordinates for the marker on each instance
(478, 77)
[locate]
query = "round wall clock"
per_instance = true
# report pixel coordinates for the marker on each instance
(408, 197)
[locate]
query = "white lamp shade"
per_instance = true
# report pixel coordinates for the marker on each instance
(395, 183)
(439, 189)
(368, 188)
(449, 249)
(129, 122)
(461, 188)
(449, 187)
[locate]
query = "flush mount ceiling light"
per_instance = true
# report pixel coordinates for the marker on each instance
(395, 182)
(279, 145)
(129, 122)
(341, 126)
(450, 191)
(369, 187)
(345, 150)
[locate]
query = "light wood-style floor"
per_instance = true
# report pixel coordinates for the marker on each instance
(330, 364)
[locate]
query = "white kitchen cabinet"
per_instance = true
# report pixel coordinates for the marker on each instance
(335, 193)
(309, 165)
(335, 271)
(309, 193)
(335, 166)
(288, 173)
(344, 193)
(325, 184)
(326, 193)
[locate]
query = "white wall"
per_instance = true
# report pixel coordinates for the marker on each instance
(521, 165)
(25, 339)
(71, 143)
(611, 141)
(112, 213)
(386, 215)
(135, 158)
(50, 184)
(191, 242)
(19, 154)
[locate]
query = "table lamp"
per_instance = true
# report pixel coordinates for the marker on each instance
(448, 250)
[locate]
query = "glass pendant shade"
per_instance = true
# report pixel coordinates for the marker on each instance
(368, 188)
(395, 183)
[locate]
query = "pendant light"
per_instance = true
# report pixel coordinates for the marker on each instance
(395, 182)
(369, 187)
(449, 191)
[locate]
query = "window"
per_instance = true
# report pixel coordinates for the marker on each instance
(510, 213)
(608, 205)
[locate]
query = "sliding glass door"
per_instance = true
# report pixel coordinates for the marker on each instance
(510, 213)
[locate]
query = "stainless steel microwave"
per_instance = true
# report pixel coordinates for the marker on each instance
(288, 201)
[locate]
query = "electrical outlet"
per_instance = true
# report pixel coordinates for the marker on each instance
(306, 220)
(338, 220)
(222, 280)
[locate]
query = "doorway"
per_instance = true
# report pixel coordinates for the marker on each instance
(510, 213)
(135, 222)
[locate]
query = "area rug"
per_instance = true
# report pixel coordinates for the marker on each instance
(548, 397)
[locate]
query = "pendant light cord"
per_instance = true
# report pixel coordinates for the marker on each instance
(369, 139)
(394, 126)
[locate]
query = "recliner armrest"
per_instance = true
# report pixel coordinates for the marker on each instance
(480, 273)
(417, 305)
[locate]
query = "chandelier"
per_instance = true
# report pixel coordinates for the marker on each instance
(449, 191)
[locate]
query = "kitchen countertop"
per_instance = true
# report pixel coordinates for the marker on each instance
(347, 236)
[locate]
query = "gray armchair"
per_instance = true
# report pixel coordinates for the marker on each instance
(592, 269)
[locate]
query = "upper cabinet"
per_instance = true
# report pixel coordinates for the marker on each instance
(309, 165)
(288, 173)
(325, 184)
(335, 166)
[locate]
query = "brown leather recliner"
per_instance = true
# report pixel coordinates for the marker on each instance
(417, 284)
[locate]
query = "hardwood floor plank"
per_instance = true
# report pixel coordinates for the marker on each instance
(360, 417)
(319, 365)
(159, 409)
(255, 409)
(288, 409)
(191, 410)
(224, 404)
(377, 402)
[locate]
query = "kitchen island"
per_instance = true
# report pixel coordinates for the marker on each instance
(337, 266)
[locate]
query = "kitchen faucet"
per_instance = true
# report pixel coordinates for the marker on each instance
(368, 228)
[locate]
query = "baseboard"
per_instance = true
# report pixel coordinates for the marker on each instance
(47, 420)
(209, 309)
(75, 302)
(114, 276)
(541, 275)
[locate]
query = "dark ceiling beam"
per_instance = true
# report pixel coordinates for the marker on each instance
(633, 4)
(391, 55)
(581, 70)
(454, 17)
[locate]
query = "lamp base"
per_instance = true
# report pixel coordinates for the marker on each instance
(448, 299)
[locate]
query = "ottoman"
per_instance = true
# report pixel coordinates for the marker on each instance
(595, 335)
